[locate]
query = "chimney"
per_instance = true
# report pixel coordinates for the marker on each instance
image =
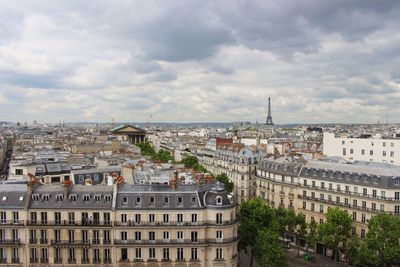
(67, 187)
(174, 181)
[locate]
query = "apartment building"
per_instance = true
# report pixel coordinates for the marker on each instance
(363, 189)
(362, 148)
(120, 225)
(239, 162)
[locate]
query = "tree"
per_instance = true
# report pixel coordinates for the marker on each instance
(296, 224)
(269, 251)
(383, 238)
(358, 253)
(223, 178)
(336, 230)
(312, 234)
(280, 215)
(254, 216)
(190, 161)
(163, 155)
(146, 149)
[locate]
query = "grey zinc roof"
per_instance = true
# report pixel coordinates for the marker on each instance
(12, 196)
(79, 190)
(99, 170)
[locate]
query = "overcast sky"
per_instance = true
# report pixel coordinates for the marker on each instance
(197, 61)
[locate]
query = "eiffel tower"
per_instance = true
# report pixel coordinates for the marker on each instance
(269, 117)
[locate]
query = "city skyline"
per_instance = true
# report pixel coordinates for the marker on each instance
(321, 62)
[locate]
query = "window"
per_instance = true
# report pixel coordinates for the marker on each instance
(138, 253)
(138, 236)
(194, 200)
(152, 253)
(138, 218)
(312, 207)
(166, 218)
(86, 198)
(362, 233)
(152, 201)
(355, 203)
(337, 199)
(124, 254)
(362, 217)
(152, 236)
(373, 206)
(362, 151)
(371, 152)
(304, 205)
(179, 254)
(180, 201)
(218, 234)
(179, 218)
(124, 200)
(384, 153)
(396, 195)
(344, 151)
(219, 254)
(194, 236)
(351, 151)
(321, 208)
(124, 235)
(218, 200)
(124, 218)
(218, 218)
(166, 236)
(35, 198)
(382, 207)
(193, 254)
(59, 198)
(383, 194)
(138, 201)
(397, 209)
(354, 216)
(151, 218)
(194, 217)
(166, 201)
(179, 235)
(107, 198)
(166, 253)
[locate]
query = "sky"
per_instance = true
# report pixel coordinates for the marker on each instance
(200, 61)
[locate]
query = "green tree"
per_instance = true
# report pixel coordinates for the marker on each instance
(254, 216)
(312, 234)
(190, 161)
(223, 178)
(146, 149)
(296, 225)
(280, 215)
(163, 155)
(269, 251)
(383, 238)
(336, 230)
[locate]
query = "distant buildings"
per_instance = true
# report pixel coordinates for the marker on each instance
(363, 147)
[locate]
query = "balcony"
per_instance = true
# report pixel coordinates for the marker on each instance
(107, 260)
(222, 240)
(68, 223)
(70, 242)
(85, 261)
(14, 260)
(33, 260)
(43, 241)
(3, 260)
(96, 241)
(71, 261)
(32, 241)
(57, 260)
(44, 260)
(12, 222)
(12, 242)
(157, 242)
(96, 261)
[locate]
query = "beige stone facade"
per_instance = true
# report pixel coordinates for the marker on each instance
(118, 226)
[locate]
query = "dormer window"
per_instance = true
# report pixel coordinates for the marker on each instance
(194, 200)
(124, 200)
(73, 198)
(59, 198)
(4, 198)
(107, 198)
(45, 198)
(152, 200)
(396, 182)
(218, 200)
(180, 201)
(97, 198)
(166, 200)
(35, 198)
(138, 201)
(21, 198)
(86, 198)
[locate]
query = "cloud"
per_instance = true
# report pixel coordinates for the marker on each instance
(320, 61)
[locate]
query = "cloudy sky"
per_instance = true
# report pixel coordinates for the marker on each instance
(196, 61)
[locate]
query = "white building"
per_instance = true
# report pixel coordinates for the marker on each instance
(374, 148)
